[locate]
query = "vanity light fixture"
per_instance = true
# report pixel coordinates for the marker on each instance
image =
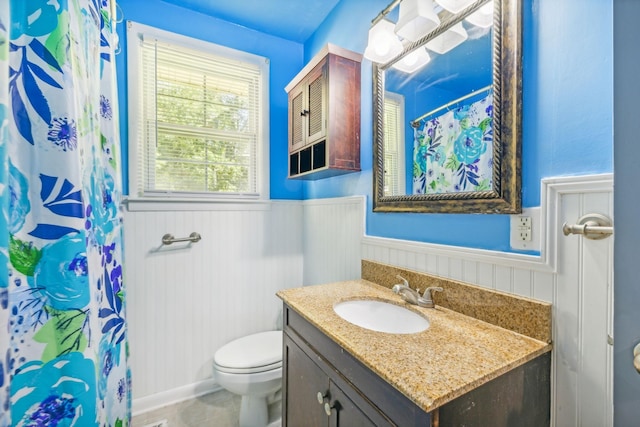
(483, 17)
(448, 40)
(454, 6)
(416, 19)
(413, 61)
(383, 44)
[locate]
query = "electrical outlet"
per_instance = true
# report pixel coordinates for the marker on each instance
(525, 230)
(160, 423)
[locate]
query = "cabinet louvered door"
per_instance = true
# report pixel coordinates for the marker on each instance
(297, 120)
(317, 104)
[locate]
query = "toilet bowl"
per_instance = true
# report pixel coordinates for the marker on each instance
(251, 366)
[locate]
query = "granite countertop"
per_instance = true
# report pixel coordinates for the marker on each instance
(456, 354)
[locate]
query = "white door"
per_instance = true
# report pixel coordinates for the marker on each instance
(583, 354)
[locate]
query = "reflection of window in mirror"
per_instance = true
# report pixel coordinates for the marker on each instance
(394, 130)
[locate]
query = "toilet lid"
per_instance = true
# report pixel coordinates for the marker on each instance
(261, 350)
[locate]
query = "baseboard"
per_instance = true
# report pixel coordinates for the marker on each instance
(152, 402)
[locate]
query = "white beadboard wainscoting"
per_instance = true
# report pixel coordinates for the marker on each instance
(184, 301)
(573, 273)
(332, 232)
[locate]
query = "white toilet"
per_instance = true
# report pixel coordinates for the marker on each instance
(251, 366)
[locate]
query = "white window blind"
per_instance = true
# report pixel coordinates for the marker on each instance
(393, 145)
(200, 123)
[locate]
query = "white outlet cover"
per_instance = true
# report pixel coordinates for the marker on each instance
(515, 240)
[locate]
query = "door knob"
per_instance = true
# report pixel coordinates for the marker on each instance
(636, 357)
(321, 396)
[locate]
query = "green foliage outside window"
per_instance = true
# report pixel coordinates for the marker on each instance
(205, 135)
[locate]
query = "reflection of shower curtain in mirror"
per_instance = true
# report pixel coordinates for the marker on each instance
(453, 153)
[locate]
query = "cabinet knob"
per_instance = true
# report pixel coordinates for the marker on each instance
(321, 396)
(304, 112)
(328, 408)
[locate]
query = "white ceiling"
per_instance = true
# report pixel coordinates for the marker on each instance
(293, 20)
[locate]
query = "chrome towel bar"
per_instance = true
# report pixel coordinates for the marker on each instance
(592, 226)
(168, 239)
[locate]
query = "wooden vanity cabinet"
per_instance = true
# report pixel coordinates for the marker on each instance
(313, 363)
(356, 396)
(324, 116)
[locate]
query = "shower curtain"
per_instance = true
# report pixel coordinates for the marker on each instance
(63, 347)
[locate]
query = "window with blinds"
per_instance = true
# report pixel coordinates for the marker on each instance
(200, 117)
(394, 179)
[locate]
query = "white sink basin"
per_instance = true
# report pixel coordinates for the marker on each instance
(381, 316)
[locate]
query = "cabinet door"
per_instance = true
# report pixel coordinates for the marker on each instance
(297, 118)
(303, 380)
(315, 397)
(344, 412)
(317, 105)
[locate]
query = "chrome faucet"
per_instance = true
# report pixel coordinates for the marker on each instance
(413, 296)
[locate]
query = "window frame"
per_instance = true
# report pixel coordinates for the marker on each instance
(136, 143)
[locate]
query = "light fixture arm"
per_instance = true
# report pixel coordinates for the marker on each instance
(385, 11)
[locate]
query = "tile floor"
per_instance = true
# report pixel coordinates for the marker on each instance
(219, 409)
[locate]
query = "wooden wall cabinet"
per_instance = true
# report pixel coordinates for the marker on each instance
(324, 115)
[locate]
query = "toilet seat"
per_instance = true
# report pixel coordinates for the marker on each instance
(253, 370)
(255, 353)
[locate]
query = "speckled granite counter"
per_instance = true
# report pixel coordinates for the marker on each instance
(454, 355)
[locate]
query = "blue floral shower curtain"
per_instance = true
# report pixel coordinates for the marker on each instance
(63, 348)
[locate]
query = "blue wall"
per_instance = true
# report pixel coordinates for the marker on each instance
(567, 103)
(567, 113)
(286, 59)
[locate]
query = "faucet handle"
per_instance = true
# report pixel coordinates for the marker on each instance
(427, 292)
(396, 288)
(404, 281)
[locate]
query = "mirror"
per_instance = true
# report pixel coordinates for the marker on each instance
(447, 136)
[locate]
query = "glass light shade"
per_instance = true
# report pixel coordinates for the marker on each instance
(413, 61)
(417, 19)
(454, 6)
(482, 17)
(383, 44)
(448, 40)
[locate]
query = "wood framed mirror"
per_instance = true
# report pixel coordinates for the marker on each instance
(447, 136)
